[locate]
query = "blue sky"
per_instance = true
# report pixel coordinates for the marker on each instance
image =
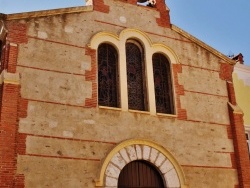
(222, 24)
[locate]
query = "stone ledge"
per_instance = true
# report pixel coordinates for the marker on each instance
(9, 78)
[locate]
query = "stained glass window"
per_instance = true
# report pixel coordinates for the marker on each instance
(108, 81)
(162, 83)
(135, 76)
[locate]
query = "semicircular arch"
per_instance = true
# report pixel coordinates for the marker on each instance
(138, 149)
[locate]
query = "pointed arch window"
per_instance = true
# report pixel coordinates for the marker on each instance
(162, 84)
(108, 76)
(137, 94)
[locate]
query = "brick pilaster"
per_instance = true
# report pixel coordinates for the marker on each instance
(237, 131)
(8, 134)
(11, 142)
(239, 140)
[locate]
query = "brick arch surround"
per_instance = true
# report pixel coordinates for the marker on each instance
(132, 150)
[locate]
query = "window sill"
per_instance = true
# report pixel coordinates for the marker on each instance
(110, 108)
(138, 111)
(167, 115)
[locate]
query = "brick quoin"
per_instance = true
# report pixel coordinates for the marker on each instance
(179, 90)
(92, 77)
(12, 108)
(240, 147)
(17, 32)
(100, 6)
(226, 71)
(12, 60)
(164, 20)
(8, 131)
(240, 158)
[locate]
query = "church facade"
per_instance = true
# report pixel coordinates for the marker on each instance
(113, 95)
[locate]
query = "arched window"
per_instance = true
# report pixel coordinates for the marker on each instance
(108, 77)
(137, 95)
(162, 84)
(140, 174)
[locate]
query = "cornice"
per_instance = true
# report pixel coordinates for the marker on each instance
(202, 44)
(51, 12)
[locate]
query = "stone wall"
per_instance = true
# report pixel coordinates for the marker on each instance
(64, 136)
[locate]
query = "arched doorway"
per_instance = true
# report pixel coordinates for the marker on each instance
(149, 155)
(138, 174)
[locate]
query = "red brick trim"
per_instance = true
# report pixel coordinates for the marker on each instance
(23, 135)
(233, 160)
(21, 143)
(240, 147)
(56, 42)
(202, 68)
(164, 20)
(50, 70)
(17, 32)
(19, 181)
(226, 71)
(179, 90)
(236, 131)
(12, 143)
(8, 134)
(12, 59)
(92, 76)
(63, 157)
(100, 6)
(231, 93)
(203, 93)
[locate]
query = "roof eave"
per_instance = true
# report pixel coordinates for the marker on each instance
(43, 13)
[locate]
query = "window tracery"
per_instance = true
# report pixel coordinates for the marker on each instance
(130, 47)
